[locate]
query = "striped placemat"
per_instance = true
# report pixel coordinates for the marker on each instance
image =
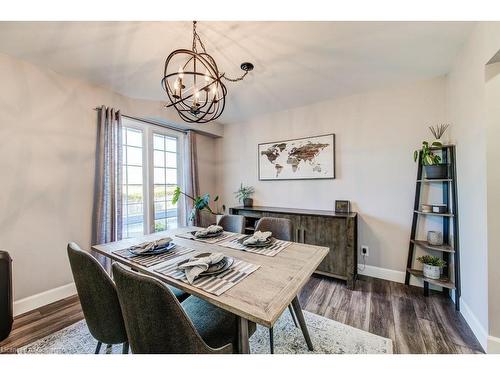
(212, 240)
(214, 284)
(269, 251)
(151, 260)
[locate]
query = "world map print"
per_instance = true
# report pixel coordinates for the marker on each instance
(305, 158)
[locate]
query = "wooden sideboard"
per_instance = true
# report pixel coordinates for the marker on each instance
(339, 232)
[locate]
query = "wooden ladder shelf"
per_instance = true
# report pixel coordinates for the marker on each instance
(450, 248)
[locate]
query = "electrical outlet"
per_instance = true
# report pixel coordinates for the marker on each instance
(365, 251)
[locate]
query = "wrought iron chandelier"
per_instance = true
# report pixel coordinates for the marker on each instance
(194, 84)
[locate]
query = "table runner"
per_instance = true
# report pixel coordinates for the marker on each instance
(270, 251)
(212, 240)
(214, 284)
(151, 260)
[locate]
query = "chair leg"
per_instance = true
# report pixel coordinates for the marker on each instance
(271, 339)
(98, 347)
(125, 348)
(108, 348)
(294, 318)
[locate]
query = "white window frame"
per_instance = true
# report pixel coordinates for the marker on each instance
(148, 130)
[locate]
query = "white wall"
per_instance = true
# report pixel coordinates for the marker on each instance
(376, 134)
(493, 187)
(47, 158)
(467, 110)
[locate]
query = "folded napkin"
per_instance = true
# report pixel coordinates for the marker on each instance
(149, 246)
(212, 229)
(257, 237)
(194, 266)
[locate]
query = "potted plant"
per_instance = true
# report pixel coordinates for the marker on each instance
(438, 131)
(200, 203)
(431, 162)
(243, 194)
(432, 266)
(434, 169)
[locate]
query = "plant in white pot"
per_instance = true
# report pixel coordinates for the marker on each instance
(432, 266)
(200, 203)
(243, 195)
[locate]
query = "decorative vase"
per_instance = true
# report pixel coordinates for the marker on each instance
(436, 171)
(435, 238)
(432, 272)
(247, 202)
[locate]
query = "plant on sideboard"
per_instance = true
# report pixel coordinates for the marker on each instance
(432, 266)
(243, 194)
(200, 203)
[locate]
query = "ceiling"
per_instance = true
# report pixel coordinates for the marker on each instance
(296, 63)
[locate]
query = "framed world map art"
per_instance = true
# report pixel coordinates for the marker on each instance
(298, 159)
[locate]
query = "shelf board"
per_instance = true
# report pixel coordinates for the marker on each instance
(429, 180)
(433, 213)
(443, 282)
(426, 245)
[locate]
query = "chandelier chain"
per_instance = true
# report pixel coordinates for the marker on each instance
(196, 37)
(223, 75)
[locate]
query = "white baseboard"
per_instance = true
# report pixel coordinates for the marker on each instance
(474, 324)
(41, 299)
(387, 274)
(493, 345)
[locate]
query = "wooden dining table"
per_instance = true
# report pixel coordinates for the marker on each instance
(261, 297)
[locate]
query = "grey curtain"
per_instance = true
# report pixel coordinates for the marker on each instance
(107, 213)
(191, 187)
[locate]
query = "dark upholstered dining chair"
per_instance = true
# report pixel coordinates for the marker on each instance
(98, 298)
(167, 326)
(282, 229)
(232, 223)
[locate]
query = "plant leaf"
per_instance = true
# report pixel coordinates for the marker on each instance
(176, 195)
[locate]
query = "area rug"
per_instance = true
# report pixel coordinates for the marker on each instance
(327, 336)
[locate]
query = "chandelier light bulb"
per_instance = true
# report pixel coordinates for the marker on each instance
(180, 72)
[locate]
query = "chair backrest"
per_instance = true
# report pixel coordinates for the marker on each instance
(232, 223)
(98, 297)
(282, 229)
(155, 320)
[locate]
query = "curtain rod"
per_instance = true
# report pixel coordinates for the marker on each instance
(150, 122)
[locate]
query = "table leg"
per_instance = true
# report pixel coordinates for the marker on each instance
(243, 344)
(302, 322)
(292, 313)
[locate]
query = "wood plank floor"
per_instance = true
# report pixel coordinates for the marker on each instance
(41, 322)
(414, 323)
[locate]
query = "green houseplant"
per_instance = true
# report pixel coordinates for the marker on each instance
(243, 194)
(431, 161)
(432, 266)
(200, 203)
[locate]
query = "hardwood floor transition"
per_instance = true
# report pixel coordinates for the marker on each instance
(415, 324)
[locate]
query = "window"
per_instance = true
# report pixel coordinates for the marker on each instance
(151, 171)
(165, 181)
